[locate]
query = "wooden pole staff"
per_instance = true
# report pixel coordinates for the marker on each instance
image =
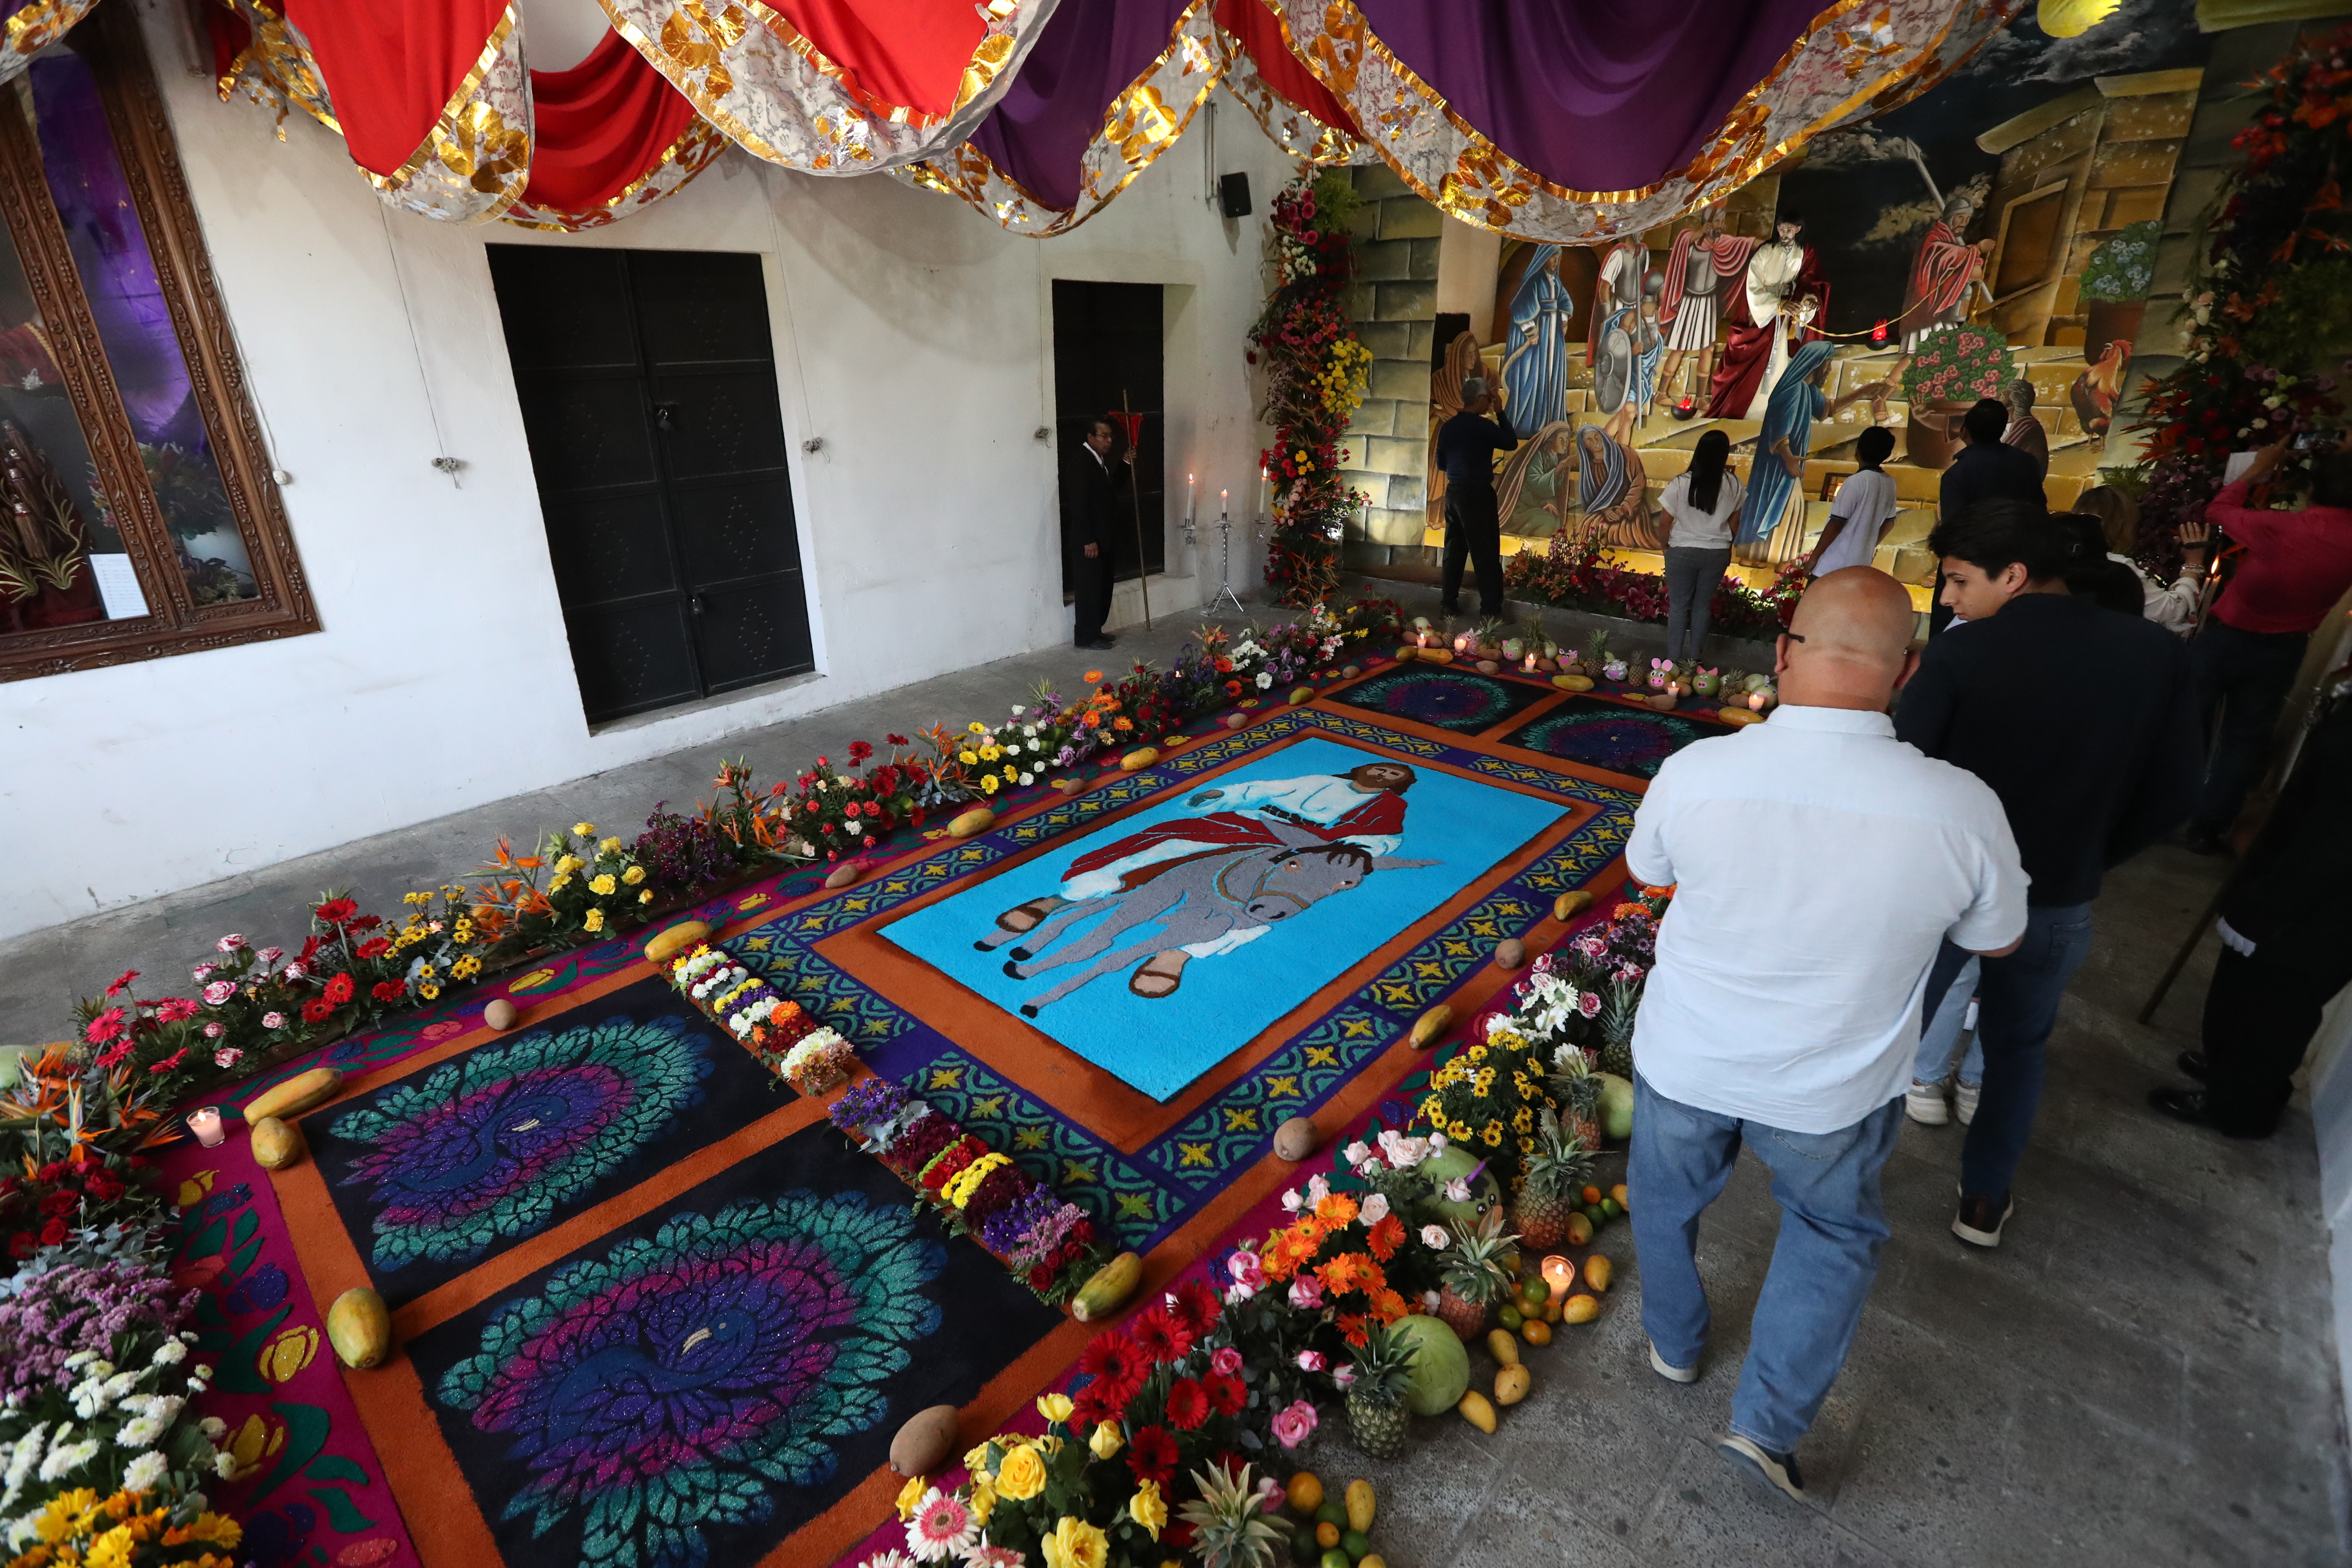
(1135, 494)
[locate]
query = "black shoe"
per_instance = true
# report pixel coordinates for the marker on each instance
(2192, 1065)
(1761, 1466)
(2197, 841)
(1981, 1220)
(1100, 644)
(2195, 1107)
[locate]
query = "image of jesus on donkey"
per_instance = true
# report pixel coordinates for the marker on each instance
(1269, 851)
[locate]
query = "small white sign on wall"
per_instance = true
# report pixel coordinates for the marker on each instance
(117, 587)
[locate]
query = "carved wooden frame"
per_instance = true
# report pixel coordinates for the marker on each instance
(109, 41)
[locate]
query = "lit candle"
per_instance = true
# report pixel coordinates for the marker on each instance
(205, 1122)
(1561, 1275)
(1532, 664)
(1264, 490)
(1224, 498)
(1188, 501)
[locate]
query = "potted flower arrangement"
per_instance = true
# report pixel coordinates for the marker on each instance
(1952, 367)
(818, 1061)
(2114, 284)
(768, 1025)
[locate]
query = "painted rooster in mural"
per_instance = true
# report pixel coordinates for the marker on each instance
(2097, 390)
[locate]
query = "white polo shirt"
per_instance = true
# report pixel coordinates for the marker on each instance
(1818, 863)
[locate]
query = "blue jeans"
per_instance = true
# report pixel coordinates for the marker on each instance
(1943, 1036)
(1832, 1227)
(2017, 1006)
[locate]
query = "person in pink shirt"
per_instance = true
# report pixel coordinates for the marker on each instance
(2296, 565)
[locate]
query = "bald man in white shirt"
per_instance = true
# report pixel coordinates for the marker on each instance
(1819, 864)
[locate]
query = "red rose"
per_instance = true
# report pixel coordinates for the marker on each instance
(53, 1234)
(339, 990)
(22, 1245)
(1041, 1277)
(318, 1010)
(59, 1202)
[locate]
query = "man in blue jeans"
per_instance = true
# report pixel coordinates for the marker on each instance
(2080, 719)
(1783, 1010)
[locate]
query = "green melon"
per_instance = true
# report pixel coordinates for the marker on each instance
(1443, 1167)
(1440, 1367)
(1616, 1111)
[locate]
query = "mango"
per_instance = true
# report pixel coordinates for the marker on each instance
(1503, 1347)
(294, 1096)
(1598, 1271)
(1511, 1384)
(1407, 652)
(1579, 1308)
(1567, 906)
(1475, 1410)
(1301, 695)
(1361, 1504)
(1580, 1230)
(274, 1144)
(1618, 1192)
(1572, 682)
(1538, 1333)
(1108, 1291)
(1738, 716)
(359, 1327)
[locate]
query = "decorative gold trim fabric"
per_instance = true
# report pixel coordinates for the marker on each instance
(748, 70)
(35, 29)
(1292, 130)
(688, 156)
(1143, 122)
(473, 163)
(1860, 58)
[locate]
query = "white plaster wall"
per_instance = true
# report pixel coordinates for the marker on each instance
(913, 337)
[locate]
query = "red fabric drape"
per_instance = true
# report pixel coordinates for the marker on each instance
(390, 66)
(1261, 35)
(910, 52)
(601, 126)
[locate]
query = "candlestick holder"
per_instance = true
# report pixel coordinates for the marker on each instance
(1225, 594)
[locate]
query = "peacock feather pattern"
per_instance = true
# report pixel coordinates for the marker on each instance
(487, 1148)
(682, 1378)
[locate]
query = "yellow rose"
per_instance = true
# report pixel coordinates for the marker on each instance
(610, 845)
(910, 1495)
(1055, 1407)
(634, 875)
(1106, 1441)
(1148, 1508)
(1022, 1476)
(585, 829)
(1075, 1543)
(603, 887)
(592, 920)
(981, 1498)
(976, 1461)
(646, 897)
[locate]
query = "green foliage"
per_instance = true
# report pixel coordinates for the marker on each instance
(2306, 317)
(2130, 477)
(2124, 265)
(1336, 201)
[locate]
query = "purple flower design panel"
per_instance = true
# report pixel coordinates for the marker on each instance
(693, 1387)
(1611, 736)
(1445, 696)
(435, 1171)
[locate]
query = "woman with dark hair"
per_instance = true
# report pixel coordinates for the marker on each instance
(2090, 571)
(1699, 509)
(2173, 608)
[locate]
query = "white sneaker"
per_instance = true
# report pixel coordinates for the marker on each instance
(1668, 1370)
(1924, 1103)
(1964, 1101)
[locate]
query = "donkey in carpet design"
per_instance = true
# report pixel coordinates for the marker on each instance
(1195, 900)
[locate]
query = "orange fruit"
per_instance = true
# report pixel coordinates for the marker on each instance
(1327, 1535)
(1538, 1333)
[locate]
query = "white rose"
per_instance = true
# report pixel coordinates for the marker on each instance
(1375, 1209)
(1433, 1235)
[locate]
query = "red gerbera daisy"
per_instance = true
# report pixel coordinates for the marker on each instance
(1151, 1455)
(1226, 1395)
(336, 911)
(1196, 1306)
(1093, 1405)
(1114, 1359)
(338, 989)
(1161, 1336)
(120, 986)
(1187, 1406)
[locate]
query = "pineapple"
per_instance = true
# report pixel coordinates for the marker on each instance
(1376, 1413)
(1556, 1175)
(1228, 1520)
(1578, 1091)
(1596, 651)
(1473, 1275)
(1616, 1022)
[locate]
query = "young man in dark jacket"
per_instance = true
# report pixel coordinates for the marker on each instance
(1094, 484)
(2080, 721)
(1466, 445)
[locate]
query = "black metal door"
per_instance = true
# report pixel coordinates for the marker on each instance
(649, 387)
(1107, 343)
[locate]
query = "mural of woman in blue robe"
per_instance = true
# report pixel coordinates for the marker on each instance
(1772, 520)
(1534, 358)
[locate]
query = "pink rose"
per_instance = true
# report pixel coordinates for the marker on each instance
(230, 943)
(1305, 1292)
(1589, 1003)
(1226, 1360)
(1310, 1361)
(204, 971)
(1247, 1269)
(1271, 1496)
(219, 991)
(216, 1029)
(273, 1020)
(1294, 1422)
(227, 1057)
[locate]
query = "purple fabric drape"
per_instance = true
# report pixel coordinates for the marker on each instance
(1598, 95)
(1089, 52)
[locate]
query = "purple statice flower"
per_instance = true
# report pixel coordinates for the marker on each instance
(1045, 1235)
(868, 1101)
(1003, 1231)
(71, 1308)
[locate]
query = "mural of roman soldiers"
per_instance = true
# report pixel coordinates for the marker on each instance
(1697, 272)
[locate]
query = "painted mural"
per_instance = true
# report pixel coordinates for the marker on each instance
(1994, 238)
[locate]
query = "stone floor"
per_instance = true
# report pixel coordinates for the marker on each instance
(2144, 1375)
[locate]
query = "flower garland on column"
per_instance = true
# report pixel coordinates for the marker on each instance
(2275, 280)
(1315, 371)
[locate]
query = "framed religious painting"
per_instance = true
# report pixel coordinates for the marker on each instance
(138, 516)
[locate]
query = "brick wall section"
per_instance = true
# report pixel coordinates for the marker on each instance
(1394, 306)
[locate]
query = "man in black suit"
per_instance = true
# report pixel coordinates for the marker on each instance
(1094, 487)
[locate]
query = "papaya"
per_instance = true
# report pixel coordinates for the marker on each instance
(668, 944)
(359, 1327)
(1141, 757)
(978, 819)
(294, 1096)
(274, 1144)
(1361, 1505)
(1108, 1289)
(1432, 1025)
(1301, 694)
(1438, 655)
(1738, 716)
(1572, 682)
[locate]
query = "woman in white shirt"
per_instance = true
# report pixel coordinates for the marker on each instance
(1863, 509)
(1698, 514)
(2174, 608)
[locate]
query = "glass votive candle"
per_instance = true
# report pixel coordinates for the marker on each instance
(1561, 1275)
(205, 1122)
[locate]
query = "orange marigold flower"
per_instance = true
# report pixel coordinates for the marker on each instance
(1337, 1208)
(1122, 723)
(1091, 676)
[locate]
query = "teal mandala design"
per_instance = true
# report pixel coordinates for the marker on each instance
(671, 1385)
(487, 1148)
